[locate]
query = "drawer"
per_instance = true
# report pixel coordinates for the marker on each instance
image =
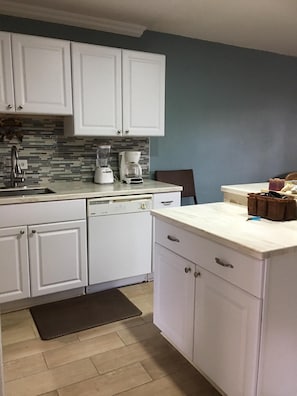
(243, 271)
(42, 212)
(165, 200)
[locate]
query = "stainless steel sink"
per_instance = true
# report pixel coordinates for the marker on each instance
(22, 191)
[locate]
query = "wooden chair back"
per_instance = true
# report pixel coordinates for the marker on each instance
(180, 177)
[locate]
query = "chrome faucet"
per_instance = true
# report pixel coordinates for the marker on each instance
(17, 175)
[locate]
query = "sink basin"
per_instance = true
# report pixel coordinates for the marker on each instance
(22, 191)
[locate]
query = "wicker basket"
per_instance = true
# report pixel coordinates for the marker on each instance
(272, 208)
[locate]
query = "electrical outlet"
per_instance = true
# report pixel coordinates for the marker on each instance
(23, 164)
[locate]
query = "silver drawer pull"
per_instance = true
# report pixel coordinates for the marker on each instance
(166, 203)
(187, 269)
(222, 263)
(172, 238)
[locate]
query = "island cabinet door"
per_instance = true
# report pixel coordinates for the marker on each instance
(174, 299)
(226, 337)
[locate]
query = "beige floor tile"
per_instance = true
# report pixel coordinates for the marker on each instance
(109, 328)
(123, 358)
(83, 349)
(51, 380)
(144, 303)
(165, 363)
(164, 387)
(131, 291)
(12, 319)
(138, 333)
(31, 347)
(24, 367)
(18, 333)
(113, 360)
(148, 317)
(109, 384)
(182, 383)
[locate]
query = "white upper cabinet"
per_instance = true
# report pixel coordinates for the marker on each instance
(6, 78)
(116, 92)
(35, 75)
(97, 90)
(143, 93)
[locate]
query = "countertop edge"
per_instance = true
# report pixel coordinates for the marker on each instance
(257, 254)
(101, 192)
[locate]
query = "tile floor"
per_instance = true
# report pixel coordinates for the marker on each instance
(127, 358)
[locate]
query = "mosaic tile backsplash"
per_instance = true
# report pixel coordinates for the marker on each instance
(52, 156)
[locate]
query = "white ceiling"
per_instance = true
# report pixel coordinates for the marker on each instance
(269, 25)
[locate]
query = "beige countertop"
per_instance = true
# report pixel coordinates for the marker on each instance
(77, 190)
(244, 189)
(226, 223)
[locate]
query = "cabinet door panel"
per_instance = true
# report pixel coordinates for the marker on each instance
(143, 93)
(96, 89)
(226, 340)
(57, 257)
(42, 75)
(173, 299)
(14, 264)
(6, 79)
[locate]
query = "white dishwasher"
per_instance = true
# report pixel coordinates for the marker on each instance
(119, 239)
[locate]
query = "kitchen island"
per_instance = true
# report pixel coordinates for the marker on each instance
(237, 193)
(225, 296)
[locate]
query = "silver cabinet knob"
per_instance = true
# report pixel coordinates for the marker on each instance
(20, 107)
(9, 107)
(126, 132)
(196, 274)
(119, 132)
(33, 231)
(187, 269)
(22, 232)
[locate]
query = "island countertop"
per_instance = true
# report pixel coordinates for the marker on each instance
(244, 189)
(226, 223)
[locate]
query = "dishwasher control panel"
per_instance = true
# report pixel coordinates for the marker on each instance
(117, 205)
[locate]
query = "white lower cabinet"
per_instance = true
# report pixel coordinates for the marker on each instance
(214, 323)
(38, 259)
(226, 334)
(174, 298)
(57, 257)
(14, 264)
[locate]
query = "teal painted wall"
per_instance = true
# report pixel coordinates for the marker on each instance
(231, 113)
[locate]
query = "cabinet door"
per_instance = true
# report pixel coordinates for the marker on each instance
(97, 90)
(143, 93)
(14, 264)
(174, 298)
(58, 259)
(226, 337)
(42, 75)
(6, 79)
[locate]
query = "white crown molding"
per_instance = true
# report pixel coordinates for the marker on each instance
(13, 8)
